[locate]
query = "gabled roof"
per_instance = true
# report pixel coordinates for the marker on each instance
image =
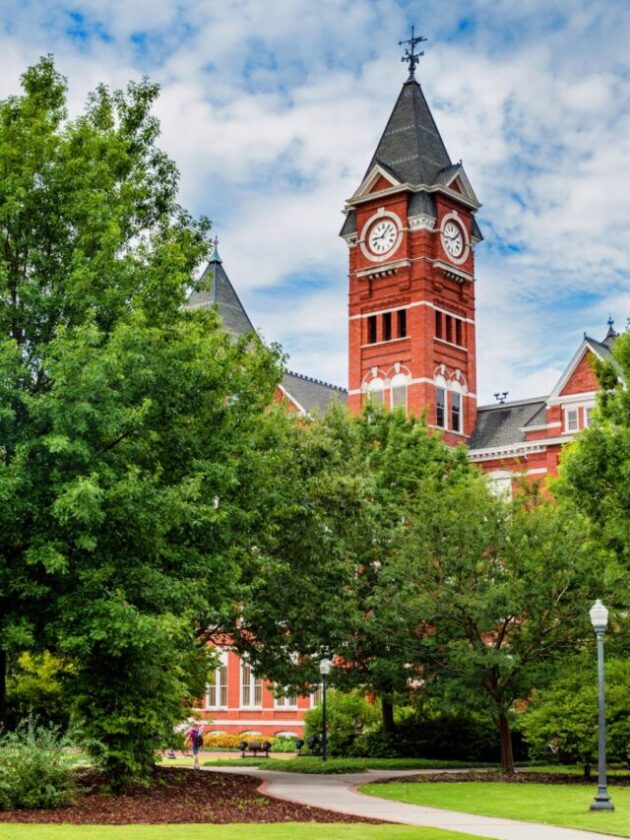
(307, 394)
(502, 424)
(411, 147)
(310, 394)
(217, 290)
(588, 345)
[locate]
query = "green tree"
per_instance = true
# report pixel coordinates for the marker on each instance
(561, 720)
(595, 469)
(126, 421)
(487, 596)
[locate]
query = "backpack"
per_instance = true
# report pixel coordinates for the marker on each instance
(197, 740)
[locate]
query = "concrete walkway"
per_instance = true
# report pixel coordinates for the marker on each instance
(338, 793)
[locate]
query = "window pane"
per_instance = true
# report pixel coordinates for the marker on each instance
(438, 324)
(456, 411)
(399, 396)
(572, 420)
(387, 326)
(371, 329)
(458, 332)
(402, 323)
(257, 692)
(223, 676)
(246, 684)
(377, 396)
(441, 408)
(449, 328)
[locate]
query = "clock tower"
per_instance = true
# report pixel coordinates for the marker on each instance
(411, 233)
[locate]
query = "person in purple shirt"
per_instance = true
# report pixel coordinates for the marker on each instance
(195, 735)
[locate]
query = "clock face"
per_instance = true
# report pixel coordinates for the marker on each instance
(382, 237)
(453, 239)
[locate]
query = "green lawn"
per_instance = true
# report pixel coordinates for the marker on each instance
(273, 831)
(565, 805)
(313, 764)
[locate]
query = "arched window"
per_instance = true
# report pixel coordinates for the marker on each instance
(457, 407)
(440, 402)
(376, 391)
(399, 391)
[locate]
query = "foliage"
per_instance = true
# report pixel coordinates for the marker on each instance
(561, 721)
(35, 770)
(486, 596)
(594, 476)
(429, 732)
(129, 424)
(35, 688)
(348, 714)
(315, 765)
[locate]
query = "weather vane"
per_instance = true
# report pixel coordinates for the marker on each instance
(411, 56)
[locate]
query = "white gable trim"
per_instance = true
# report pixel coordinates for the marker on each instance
(371, 178)
(292, 399)
(460, 174)
(585, 346)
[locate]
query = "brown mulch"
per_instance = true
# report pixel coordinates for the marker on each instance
(519, 777)
(178, 795)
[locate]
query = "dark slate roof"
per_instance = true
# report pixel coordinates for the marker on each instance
(411, 147)
(421, 202)
(476, 230)
(350, 224)
(217, 290)
(312, 394)
(600, 348)
(501, 424)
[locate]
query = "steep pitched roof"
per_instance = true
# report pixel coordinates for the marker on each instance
(411, 147)
(311, 394)
(217, 290)
(501, 424)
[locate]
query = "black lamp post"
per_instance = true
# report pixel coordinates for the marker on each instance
(599, 620)
(324, 670)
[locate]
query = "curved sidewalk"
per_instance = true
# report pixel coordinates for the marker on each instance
(338, 793)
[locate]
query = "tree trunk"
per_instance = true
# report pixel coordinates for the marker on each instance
(388, 717)
(507, 756)
(3, 690)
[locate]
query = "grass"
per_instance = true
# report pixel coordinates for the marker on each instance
(272, 831)
(566, 805)
(313, 764)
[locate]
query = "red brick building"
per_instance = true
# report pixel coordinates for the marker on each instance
(411, 233)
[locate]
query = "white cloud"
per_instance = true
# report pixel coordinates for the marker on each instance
(272, 114)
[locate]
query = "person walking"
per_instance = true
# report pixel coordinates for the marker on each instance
(195, 735)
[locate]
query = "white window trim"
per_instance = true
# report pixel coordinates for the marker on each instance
(251, 704)
(575, 411)
(285, 705)
(218, 685)
(458, 391)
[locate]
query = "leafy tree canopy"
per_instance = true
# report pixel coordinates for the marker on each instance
(126, 421)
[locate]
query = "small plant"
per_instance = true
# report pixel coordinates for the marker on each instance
(35, 768)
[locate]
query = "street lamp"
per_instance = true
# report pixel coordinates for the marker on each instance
(324, 670)
(599, 620)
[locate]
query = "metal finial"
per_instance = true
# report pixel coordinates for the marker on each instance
(411, 56)
(215, 254)
(610, 321)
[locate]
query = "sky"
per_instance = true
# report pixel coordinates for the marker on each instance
(273, 110)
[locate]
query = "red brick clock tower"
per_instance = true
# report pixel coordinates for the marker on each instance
(411, 233)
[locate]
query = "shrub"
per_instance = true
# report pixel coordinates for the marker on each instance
(231, 741)
(35, 685)
(561, 722)
(35, 768)
(349, 716)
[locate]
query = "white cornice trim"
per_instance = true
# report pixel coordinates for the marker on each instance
(520, 448)
(449, 268)
(568, 399)
(383, 268)
(542, 428)
(411, 306)
(361, 197)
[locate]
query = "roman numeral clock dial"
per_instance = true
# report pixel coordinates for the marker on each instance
(382, 237)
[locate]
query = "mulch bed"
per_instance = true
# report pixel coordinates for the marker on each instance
(517, 778)
(177, 795)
